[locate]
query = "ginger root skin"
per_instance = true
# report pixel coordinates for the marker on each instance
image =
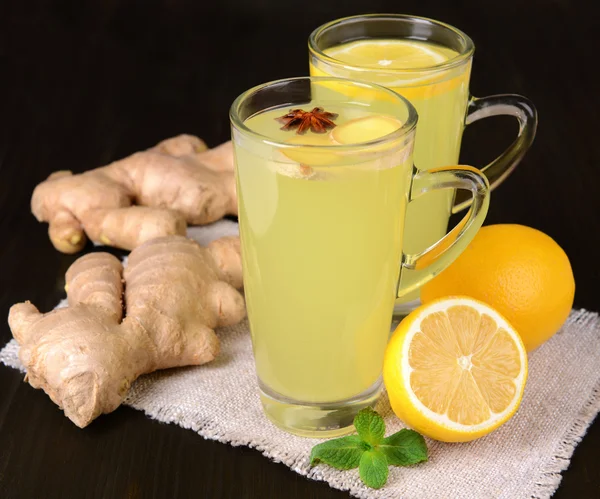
(149, 194)
(86, 356)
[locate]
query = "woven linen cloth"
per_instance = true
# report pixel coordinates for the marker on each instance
(522, 459)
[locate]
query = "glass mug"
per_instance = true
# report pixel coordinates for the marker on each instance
(321, 230)
(440, 93)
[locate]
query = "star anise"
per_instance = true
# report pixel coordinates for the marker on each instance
(318, 120)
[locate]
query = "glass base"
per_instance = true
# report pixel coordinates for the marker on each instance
(316, 420)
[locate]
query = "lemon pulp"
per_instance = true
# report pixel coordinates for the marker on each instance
(455, 369)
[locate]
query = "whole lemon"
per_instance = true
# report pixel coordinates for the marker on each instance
(521, 272)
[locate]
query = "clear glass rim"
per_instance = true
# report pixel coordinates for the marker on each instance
(405, 129)
(461, 58)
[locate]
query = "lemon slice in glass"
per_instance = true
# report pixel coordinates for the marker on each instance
(311, 156)
(412, 68)
(391, 54)
(365, 129)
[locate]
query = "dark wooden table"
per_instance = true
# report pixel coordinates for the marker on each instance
(83, 85)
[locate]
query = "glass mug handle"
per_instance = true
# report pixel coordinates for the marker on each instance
(438, 256)
(503, 105)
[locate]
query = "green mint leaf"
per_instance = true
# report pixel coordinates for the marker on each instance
(373, 469)
(404, 448)
(370, 426)
(341, 453)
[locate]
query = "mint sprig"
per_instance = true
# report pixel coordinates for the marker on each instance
(404, 448)
(370, 426)
(373, 468)
(370, 451)
(342, 453)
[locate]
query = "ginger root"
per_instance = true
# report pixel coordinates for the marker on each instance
(175, 183)
(85, 357)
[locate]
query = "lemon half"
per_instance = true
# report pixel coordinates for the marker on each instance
(455, 370)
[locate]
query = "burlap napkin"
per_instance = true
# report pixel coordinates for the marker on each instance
(523, 459)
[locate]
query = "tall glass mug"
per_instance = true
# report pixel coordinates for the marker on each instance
(429, 63)
(321, 218)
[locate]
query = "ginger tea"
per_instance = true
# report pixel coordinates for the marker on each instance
(321, 235)
(405, 66)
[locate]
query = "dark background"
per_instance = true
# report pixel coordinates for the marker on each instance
(82, 84)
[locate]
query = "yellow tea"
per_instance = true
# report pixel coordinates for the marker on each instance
(322, 240)
(441, 101)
